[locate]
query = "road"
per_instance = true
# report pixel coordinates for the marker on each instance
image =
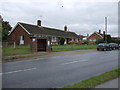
(58, 71)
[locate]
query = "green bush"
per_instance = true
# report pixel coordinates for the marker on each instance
(109, 41)
(62, 40)
(100, 41)
(115, 41)
(71, 42)
(86, 42)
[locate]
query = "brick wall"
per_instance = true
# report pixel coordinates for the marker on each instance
(94, 36)
(15, 36)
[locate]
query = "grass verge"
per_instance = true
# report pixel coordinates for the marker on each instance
(94, 81)
(10, 50)
(58, 48)
(23, 56)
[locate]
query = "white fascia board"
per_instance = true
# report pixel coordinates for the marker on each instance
(16, 26)
(13, 29)
(89, 36)
(99, 35)
(24, 29)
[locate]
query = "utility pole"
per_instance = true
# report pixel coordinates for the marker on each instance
(106, 29)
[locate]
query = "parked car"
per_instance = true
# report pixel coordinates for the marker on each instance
(119, 46)
(103, 47)
(114, 46)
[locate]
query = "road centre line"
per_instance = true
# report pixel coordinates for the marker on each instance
(18, 71)
(38, 59)
(74, 62)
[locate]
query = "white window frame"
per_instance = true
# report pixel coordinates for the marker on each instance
(76, 40)
(65, 41)
(92, 40)
(72, 39)
(54, 39)
(22, 40)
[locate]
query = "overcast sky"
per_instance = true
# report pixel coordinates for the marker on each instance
(81, 16)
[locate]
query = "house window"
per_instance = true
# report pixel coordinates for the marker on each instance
(92, 40)
(21, 40)
(65, 41)
(76, 40)
(84, 38)
(53, 39)
(72, 39)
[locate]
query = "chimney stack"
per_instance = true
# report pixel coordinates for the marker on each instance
(65, 28)
(99, 31)
(87, 35)
(39, 22)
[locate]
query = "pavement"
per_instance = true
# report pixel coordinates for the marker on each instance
(109, 84)
(20, 57)
(57, 71)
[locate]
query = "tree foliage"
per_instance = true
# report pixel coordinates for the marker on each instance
(6, 27)
(86, 42)
(115, 41)
(61, 42)
(100, 41)
(109, 40)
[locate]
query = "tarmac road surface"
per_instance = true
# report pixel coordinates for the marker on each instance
(58, 71)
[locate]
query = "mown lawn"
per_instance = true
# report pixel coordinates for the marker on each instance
(57, 48)
(10, 50)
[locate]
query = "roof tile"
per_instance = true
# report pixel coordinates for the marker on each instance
(34, 29)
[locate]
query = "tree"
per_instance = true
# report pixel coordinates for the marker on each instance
(108, 39)
(6, 27)
(62, 40)
(100, 41)
(1, 19)
(115, 41)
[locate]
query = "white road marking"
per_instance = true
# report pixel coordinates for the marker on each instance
(18, 71)
(74, 62)
(38, 59)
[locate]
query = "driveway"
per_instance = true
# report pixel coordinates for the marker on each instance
(58, 71)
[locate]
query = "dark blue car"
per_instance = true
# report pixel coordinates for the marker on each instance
(114, 46)
(103, 47)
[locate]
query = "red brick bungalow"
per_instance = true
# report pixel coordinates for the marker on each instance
(95, 36)
(25, 34)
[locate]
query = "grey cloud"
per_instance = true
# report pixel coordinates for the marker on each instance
(80, 17)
